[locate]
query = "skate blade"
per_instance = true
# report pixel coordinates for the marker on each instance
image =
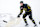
(35, 26)
(27, 26)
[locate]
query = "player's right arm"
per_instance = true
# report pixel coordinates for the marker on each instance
(21, 11)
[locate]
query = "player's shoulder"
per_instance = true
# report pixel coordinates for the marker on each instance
(24, 4)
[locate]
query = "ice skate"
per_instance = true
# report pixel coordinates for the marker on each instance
(26, 25)
(35, 25)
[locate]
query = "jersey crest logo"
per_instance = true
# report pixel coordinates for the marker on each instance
(21, 7)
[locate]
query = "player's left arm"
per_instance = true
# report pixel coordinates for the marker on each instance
(29, 8)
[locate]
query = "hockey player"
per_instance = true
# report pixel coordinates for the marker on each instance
(28, 11)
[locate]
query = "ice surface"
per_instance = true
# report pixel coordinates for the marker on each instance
(13, 7)
(13, 21)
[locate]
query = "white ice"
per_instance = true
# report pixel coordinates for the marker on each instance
(13, 21)
(9, 9)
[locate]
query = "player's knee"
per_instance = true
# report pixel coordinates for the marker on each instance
(30, 17)
(24, 19)
(23, 16)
